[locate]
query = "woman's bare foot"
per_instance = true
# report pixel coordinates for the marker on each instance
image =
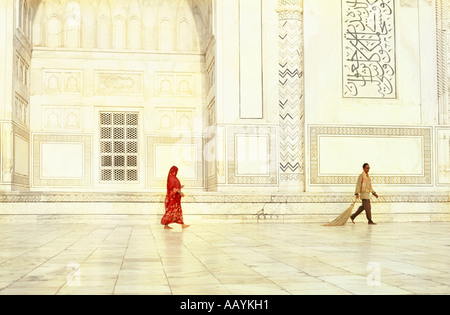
(167, 227)
(184, 226)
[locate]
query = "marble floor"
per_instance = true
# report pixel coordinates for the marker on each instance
(224, 259)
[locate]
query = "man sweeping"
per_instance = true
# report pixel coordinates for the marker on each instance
(363, 191)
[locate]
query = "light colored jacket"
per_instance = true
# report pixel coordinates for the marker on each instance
(364, 186)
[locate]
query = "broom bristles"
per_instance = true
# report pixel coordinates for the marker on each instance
(342, 218)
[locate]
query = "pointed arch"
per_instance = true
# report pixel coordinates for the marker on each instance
(184, 36)
(54, 32)
(134, 33)
(39, 26)
(166, 35)
(167, 24)
(134, 9)
(119, 32)
(73, 24)
(170, 25)
(203, 12)
(88, 23)
(104, 25)
(73, 32)
(104, 8)
(103, 32)
(149, 22)
(187, 38)
(134, 26)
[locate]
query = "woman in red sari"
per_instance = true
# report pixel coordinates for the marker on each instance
(173, 214)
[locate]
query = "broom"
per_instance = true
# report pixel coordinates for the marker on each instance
(343, 217)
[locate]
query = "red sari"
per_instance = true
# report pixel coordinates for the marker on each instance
(172, 203)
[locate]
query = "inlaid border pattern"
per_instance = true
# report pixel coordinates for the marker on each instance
(424, 132)
(232, 131)
(211, 197)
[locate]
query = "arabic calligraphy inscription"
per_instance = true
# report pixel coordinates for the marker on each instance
(369, 69)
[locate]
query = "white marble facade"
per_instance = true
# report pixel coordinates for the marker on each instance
(264, 96)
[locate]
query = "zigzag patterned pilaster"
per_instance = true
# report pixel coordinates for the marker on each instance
(291, 100)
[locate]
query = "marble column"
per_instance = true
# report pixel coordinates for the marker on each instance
(291, 96)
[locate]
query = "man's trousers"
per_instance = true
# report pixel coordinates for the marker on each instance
(365, 206)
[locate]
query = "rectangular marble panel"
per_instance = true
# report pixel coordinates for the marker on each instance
(21, 156)
(250, 43)
(387, 156)
(186, 153)
(398, 155)
(184, 156)
(210, 156)
(62, 160)
(253, 156)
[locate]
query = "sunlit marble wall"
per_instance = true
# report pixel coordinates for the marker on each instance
(131, 57)
(242, 95)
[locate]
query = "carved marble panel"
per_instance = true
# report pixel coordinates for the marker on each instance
(174, 120)
(61, 117)
(21, 111)
(119, 83)
(22, 70)
(174, 84)
(184, 84)
(62, 81)
(53, 82)
(72, 118)
(184, 120)
(165, 120)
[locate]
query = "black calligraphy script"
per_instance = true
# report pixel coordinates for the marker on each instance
(368, 49)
